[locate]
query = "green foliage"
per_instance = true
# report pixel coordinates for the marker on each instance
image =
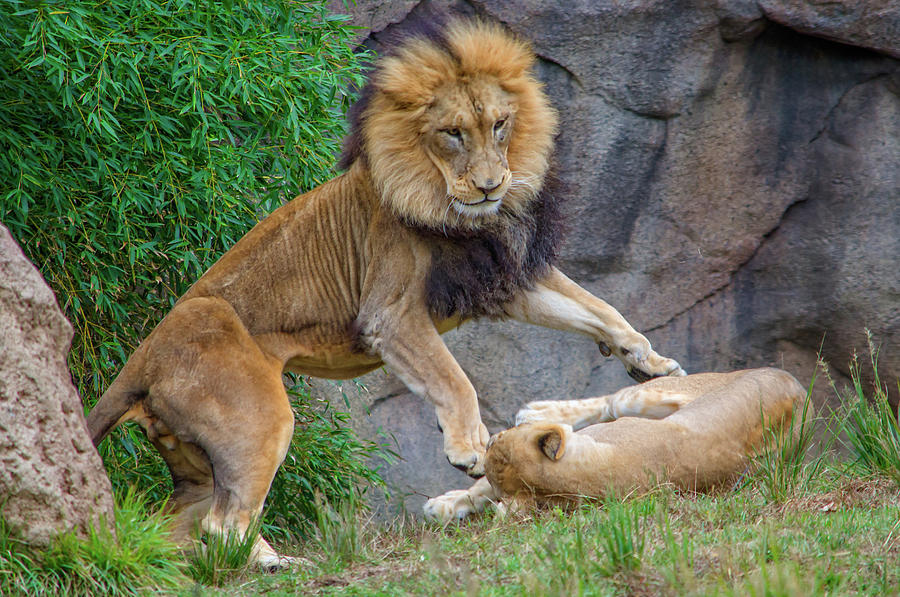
(782, 468)
(341, 532)
(570, 560)
(143, 138)
(622, 537)
(677, 555)
(217, 559)
(607, 542)
(139, 140)
(138, 559)
(870, 423)
(777, 579)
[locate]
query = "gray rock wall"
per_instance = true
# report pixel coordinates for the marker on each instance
(51, 477)
(734, 171)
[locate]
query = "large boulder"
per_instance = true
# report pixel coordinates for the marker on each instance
(51, 479)
(734, 170)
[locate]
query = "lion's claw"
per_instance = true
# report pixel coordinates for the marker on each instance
(642, 363)
(638, 375)
(474, 469)
(641, 375)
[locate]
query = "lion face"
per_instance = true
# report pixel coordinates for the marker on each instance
(455, 130)
(520, 457)
(467, 138)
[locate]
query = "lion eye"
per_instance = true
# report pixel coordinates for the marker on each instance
(453, 132)
(499, 124)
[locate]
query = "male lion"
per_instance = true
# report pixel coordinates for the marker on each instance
(695, 432)
(441, 216)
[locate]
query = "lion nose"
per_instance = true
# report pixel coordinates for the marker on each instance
(488, 186)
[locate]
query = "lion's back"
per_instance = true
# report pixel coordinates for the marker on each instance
(300, 265)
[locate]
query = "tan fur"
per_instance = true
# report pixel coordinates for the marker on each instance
(333, 284)
(695, 433)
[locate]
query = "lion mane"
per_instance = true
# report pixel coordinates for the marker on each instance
(478, 264)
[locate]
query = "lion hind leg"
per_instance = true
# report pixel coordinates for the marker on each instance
(647, 402)
(193, 484)
(577, 413)
(219, 398)
(460, 503)
(243, 469)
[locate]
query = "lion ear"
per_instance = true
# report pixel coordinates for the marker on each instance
(552, 441)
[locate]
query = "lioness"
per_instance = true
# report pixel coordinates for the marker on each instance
(694, 432)
(441, 216)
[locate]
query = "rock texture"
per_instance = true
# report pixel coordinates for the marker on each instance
(735, 192)
(51, 477)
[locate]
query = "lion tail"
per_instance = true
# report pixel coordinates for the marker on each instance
(118, 399)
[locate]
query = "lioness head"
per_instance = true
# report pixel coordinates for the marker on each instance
(455, 129)
(520, 458)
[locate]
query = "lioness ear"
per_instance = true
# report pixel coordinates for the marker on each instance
(552, 442)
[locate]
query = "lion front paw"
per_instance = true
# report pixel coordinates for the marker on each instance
(543, 411)
(653, 366)
(453, 505)
(468, 461)
(468, 456)
(643, 363)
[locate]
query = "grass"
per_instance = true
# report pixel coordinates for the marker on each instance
(796, 526)
(219, 559)
(142, 560)
(343, 534)
(839, 537)
(782, 468)
(871, 427)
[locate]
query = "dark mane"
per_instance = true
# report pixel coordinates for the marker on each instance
(473, 274)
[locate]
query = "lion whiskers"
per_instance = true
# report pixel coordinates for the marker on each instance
(450, 199)
(523, 180)
(453, 202)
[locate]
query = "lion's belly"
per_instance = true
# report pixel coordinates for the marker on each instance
(337, 367)
(311, 352)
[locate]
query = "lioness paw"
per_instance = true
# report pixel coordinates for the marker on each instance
(543, 411)
(275, 563)
(453, 505)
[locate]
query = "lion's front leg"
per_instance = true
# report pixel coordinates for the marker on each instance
(559, 303)
(411, 347)
(460, 503)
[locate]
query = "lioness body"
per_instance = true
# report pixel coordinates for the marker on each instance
(695, 433)
(441, 216)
